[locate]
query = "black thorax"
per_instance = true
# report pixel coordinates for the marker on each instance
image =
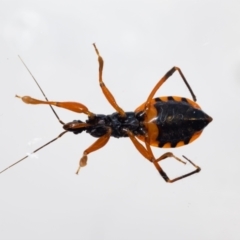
(99, 125)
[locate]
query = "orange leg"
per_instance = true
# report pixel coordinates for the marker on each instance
(102, 141)
(169, 154)
(72, 106)
(163, 79)
(105, 90)
(147, 153)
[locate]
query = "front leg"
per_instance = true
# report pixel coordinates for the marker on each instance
(101, 142)
(72, 106)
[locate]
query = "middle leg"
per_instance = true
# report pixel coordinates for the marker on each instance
(101, 142)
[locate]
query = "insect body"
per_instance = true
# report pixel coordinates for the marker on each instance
(164, 122)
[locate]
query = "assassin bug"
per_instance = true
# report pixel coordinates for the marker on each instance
(164, 122)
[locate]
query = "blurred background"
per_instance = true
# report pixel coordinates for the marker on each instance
(118, 195)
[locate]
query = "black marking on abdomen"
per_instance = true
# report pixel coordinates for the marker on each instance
(178, 121)
(184, 100)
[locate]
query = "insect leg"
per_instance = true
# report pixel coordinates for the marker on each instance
(102, 141)
(165, 155)
(163, 79)
(105, 90)
(169, 154)
(72, 106)
(148, 154)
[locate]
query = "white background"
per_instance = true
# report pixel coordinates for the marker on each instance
(119, 195)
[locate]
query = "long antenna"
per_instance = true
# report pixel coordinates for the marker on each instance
(61, 134)
(41, 91)
(33, 152)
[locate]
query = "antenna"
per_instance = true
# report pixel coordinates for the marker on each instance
(36, 150)
(41, 90)
(60, 135)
